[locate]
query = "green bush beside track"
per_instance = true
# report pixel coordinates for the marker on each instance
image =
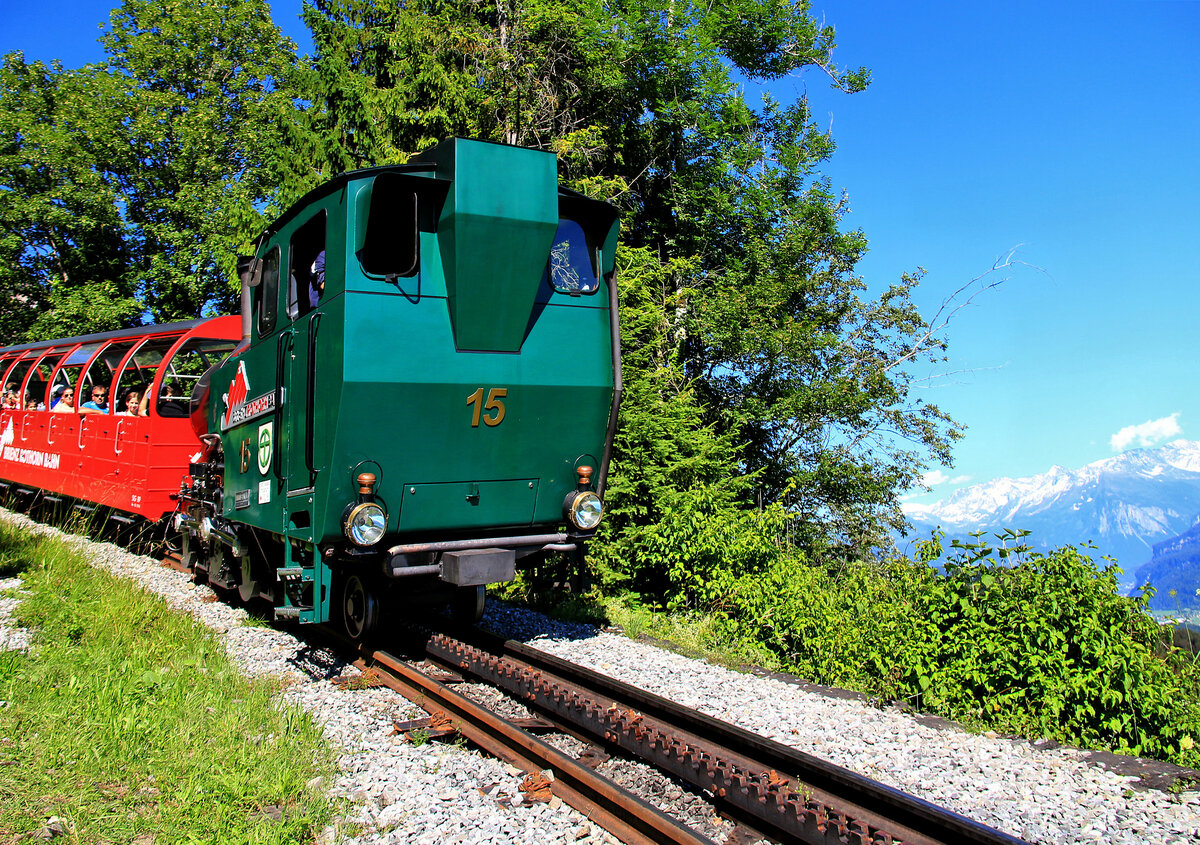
(1038, 644)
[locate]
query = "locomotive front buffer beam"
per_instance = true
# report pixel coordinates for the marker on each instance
(470, 563)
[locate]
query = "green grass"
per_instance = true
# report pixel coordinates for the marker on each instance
(693, 633)
(126, 719)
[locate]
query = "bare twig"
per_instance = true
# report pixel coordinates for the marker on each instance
(954, 303)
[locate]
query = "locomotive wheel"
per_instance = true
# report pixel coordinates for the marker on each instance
(248, 580)
(360, 609)
(467, 604)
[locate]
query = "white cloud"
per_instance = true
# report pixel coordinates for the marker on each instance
(1148, 433)
(933, 479)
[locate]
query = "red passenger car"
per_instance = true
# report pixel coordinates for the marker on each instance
(128, 452)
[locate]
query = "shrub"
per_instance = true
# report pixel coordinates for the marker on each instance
(1033, 643)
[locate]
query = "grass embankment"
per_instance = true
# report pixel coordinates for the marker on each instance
(127, 721)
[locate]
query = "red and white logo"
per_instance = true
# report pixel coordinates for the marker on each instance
(238, 391)
(237, 409)
(8, 437)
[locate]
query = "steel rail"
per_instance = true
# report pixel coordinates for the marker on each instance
(618, 811)
(783, 792)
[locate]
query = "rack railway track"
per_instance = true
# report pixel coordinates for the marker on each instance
(773, 790)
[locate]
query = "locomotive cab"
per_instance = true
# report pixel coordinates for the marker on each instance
(427, 389)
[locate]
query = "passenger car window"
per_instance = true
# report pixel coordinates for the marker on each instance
(572, 266)
(17, 377)
(11, 389)
(102, 370)
(38, 387)
(139, 371)
(183, 371)
(68, 371)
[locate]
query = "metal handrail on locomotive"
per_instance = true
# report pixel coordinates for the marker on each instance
(423, 396)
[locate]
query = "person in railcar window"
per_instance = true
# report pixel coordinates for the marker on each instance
(65, 403)
(128, 406)
(170, 404)
(98, 404)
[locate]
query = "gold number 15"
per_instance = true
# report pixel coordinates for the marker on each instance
(493, 404)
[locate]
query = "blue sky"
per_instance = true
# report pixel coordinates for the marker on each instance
(1068, 130)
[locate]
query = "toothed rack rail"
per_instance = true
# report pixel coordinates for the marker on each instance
(777, 791)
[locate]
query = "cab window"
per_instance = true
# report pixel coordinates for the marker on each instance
(266, 294)
(390, 246)
(306, 276)
(572, 267)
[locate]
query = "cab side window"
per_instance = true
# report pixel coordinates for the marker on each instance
(306, 279)
(266, 294)
(391, 246)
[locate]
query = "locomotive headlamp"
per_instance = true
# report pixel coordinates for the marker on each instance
(584, 509)
(366, 524)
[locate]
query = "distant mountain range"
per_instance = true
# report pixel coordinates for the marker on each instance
(1125, 505)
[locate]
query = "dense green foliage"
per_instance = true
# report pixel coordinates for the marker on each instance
(757, 368)
(127, 189)
(126, 719)
(1035, 644)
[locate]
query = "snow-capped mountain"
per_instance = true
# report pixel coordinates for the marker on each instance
(1174, 572)
(1124, 504)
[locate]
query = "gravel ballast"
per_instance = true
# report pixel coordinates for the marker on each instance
(434, 793)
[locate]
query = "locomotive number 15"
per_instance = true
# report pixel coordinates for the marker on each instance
(493, 404)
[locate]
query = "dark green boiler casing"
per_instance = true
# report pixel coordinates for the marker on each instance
(461, 350)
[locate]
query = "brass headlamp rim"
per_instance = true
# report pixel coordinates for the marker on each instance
(353, 511)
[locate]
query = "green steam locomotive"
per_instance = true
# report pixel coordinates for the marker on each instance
(425, 395)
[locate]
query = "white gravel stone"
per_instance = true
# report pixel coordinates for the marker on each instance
(1050, 796)
(12, 638)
